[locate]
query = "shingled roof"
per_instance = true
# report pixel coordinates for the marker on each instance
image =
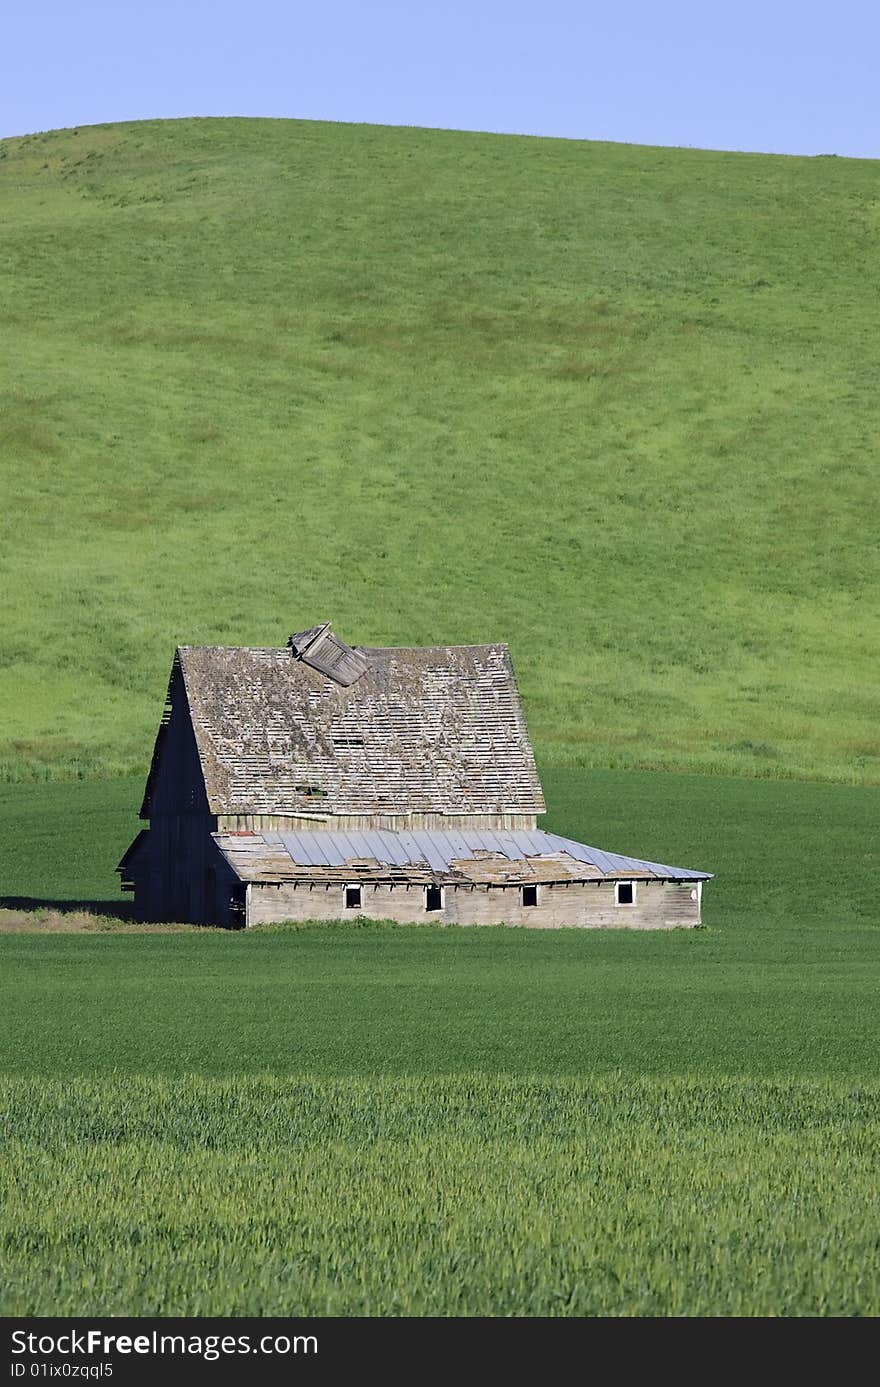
(438, 730)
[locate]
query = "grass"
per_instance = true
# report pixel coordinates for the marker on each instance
(446, 1195)
(611, 403)
(768, 1000)
(416, 1120)
(39, 919)
(63, 840)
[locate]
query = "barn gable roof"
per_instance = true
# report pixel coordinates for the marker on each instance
(358, 731)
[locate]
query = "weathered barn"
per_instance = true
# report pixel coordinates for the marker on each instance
(317, 781)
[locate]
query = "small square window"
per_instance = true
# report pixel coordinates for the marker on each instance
(529, 895)
(352, 898)
(624, 893)
(433, 897)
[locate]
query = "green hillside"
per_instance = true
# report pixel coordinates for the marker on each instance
(614, 404)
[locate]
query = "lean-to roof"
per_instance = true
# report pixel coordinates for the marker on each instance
(452, 855)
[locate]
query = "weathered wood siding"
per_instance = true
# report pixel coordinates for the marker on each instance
(585, 905)
(394, 823)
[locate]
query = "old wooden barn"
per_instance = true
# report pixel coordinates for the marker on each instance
(320, 781)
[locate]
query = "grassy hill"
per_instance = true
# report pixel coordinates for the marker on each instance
(614, 404)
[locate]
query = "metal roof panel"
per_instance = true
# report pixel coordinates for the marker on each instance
(438, 849)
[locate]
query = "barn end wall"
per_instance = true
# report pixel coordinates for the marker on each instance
(184, 879)
(583, 905)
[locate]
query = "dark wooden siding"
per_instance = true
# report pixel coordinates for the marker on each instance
(185, 878)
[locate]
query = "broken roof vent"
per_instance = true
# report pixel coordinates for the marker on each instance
(320, 649)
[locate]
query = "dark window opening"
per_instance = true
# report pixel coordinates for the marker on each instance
(433, 898)
(530, 895)
(310, 791)
(238, 905)
(352, 898)
(625, 893)
(210, 894)
(348, 741)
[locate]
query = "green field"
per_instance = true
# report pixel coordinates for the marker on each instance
(390, 1120)
(613, 404)
(782, 981)
(445, 1195)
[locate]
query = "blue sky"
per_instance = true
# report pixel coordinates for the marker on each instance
(795, 78)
